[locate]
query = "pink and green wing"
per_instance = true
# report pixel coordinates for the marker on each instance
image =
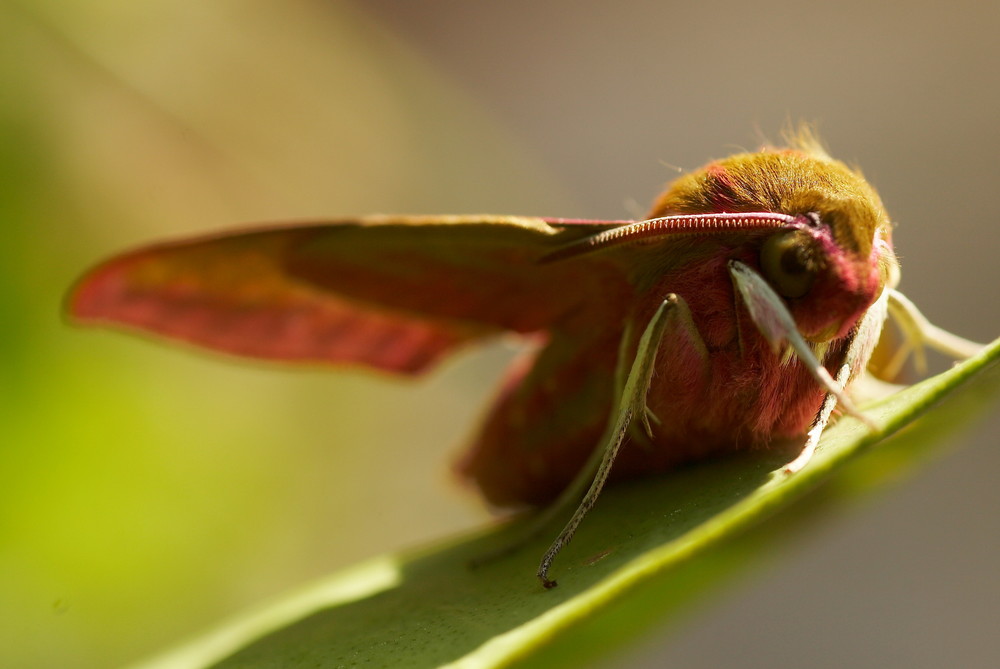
(391, 293)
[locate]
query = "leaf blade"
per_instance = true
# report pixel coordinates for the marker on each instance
(641, 537)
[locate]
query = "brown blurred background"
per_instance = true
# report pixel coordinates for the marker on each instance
(147, 492)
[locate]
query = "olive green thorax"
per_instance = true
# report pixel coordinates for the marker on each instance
(789, 182)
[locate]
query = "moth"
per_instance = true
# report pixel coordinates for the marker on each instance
(736, 315)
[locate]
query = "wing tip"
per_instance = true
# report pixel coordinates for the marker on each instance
(90, 297)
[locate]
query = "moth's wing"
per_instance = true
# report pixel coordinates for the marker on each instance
(395, 293)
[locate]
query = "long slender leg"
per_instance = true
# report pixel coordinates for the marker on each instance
(621, 374)
(567, 498)
(633, 403)
(819, 424)
(920, 332)
(856, 357)
(571, 494)
(621, 370)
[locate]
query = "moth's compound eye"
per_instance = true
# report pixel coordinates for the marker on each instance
(788, 262)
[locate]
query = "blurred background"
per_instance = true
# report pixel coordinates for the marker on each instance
(146, 492)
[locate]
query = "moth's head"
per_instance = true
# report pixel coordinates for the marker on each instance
(832, 262)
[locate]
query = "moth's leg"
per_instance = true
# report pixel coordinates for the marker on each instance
(571, 494)
(567, 498)
(859, 351)
(633, 402)
(920, 332)
(819, 424)
(621, 374)
(621, 369)
(625, 368)
(686, 329)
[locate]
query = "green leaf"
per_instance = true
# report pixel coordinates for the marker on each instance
(646, 549)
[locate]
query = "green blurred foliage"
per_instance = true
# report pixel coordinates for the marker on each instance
(147, 491)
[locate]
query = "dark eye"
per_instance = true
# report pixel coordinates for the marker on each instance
(788, 262)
